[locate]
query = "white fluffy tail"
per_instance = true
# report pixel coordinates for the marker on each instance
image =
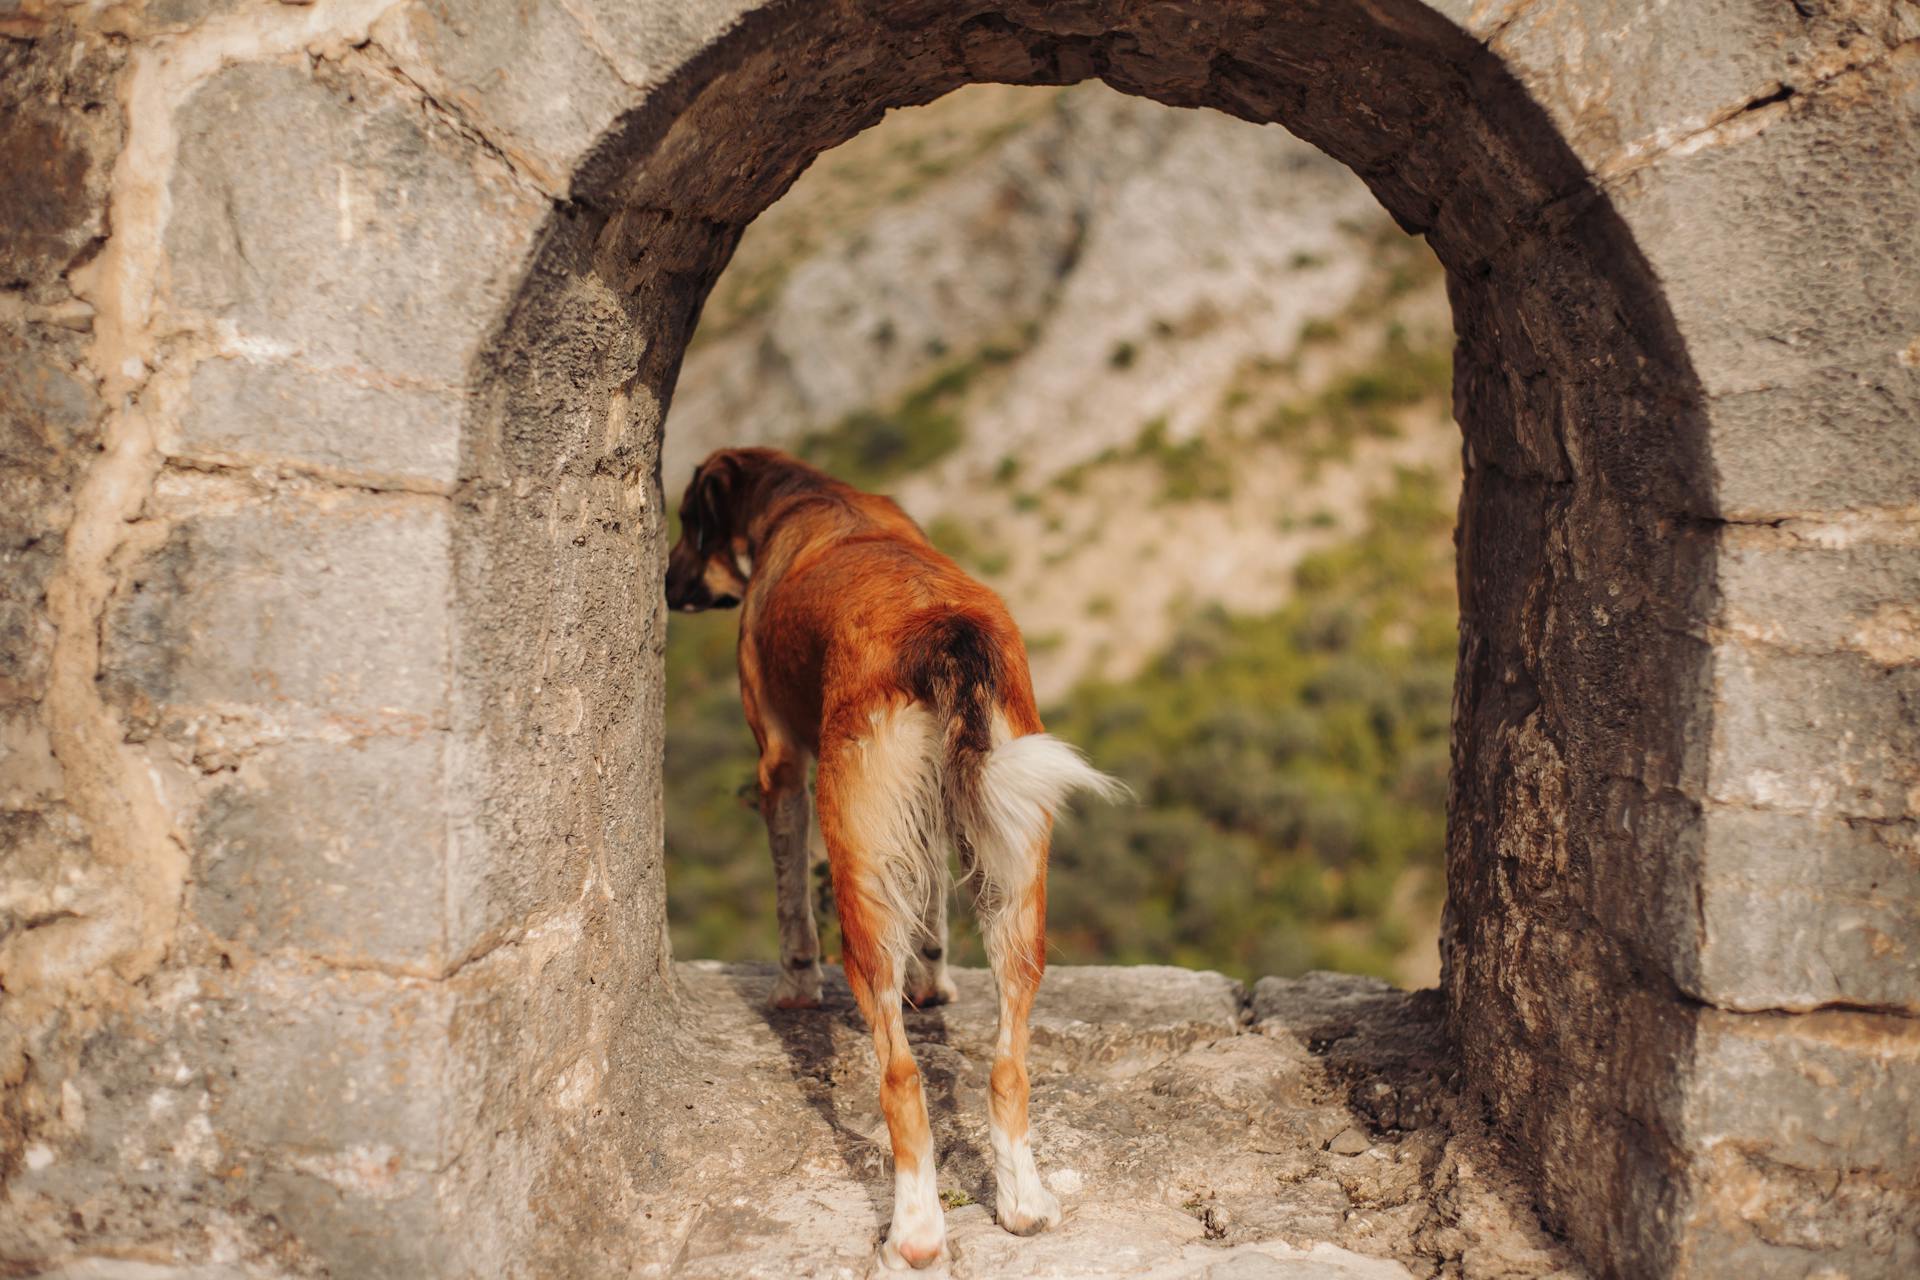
(1022, 784)
(910, 795)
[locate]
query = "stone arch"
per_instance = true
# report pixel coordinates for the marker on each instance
(383, 592)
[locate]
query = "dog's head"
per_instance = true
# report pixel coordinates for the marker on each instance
(703, 569)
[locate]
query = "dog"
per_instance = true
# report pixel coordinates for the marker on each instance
(864, 649)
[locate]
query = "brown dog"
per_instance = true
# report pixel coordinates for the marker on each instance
(867, 650)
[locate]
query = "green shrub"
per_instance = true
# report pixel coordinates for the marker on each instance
(1292, 767)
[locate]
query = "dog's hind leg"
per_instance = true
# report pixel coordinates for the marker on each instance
(788, 813)
(917, 1236)
(1013, 909)
(879, 814)
(928, 982)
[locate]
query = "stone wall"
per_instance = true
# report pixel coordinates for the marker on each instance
(337, 344)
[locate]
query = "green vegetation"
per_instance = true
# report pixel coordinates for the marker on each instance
(1194, 470)
(1318, 330)
(957, 538)
(1363, 401)
(1291, 769)
(868, 447)
(719, 873)
(1191, 470)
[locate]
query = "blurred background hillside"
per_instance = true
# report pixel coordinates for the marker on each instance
(1178, 389)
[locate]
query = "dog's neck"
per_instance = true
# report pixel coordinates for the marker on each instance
(789, 507)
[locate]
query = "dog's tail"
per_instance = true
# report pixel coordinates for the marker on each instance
(998, 801)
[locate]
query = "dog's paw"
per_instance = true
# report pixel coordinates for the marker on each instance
(936, 990)
(797, 989)
(1029, 1212)
(929, 1259)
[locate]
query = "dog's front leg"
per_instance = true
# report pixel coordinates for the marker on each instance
(783, 802)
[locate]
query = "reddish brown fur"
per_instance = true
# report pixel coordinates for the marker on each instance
(839, 588)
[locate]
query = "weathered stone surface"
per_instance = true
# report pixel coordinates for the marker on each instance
(1204, 1153)
(1845, 585)
(1836, 440)
(1620, 100)
(340, 1063)
(544, 118)
(296, 1104)
(332, 612)
(1779, 1098)
(1085, 1015)
(240, 411)
(1799, 911)
(1834, 734)
(326, 848)
(384, 247)
(56, 144)
(1717, 324)
(1778, 242)
(1794, 1090)
(561, 519)
(48, 410)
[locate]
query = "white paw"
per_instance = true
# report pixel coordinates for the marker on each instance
(925, 1255)
(1028, 1210)
(937, 989)
(797, 989)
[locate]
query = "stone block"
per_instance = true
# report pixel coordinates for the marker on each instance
(357, 1217)
(1836, 1090)
(1796, 912)
(1839, 587)
(261, 412)
(1838, 439)
(1784, 247)
(334, 614)
(186, 14)
(1830, 735)
(1754, 1217)
(548, 114)
(335, 849)
(316, 1063)
(48, 412)
(385, 242)
(58, 136)
(649, 42)
(1623, 80)
(48, 404)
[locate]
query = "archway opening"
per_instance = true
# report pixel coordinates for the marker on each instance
(1582, 555)
(1178, 389)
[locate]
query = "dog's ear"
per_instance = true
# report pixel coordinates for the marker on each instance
(707, 512)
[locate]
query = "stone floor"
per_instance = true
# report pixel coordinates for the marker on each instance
(1189, 1129)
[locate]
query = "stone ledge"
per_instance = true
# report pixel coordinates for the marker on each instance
(1188, 1131)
